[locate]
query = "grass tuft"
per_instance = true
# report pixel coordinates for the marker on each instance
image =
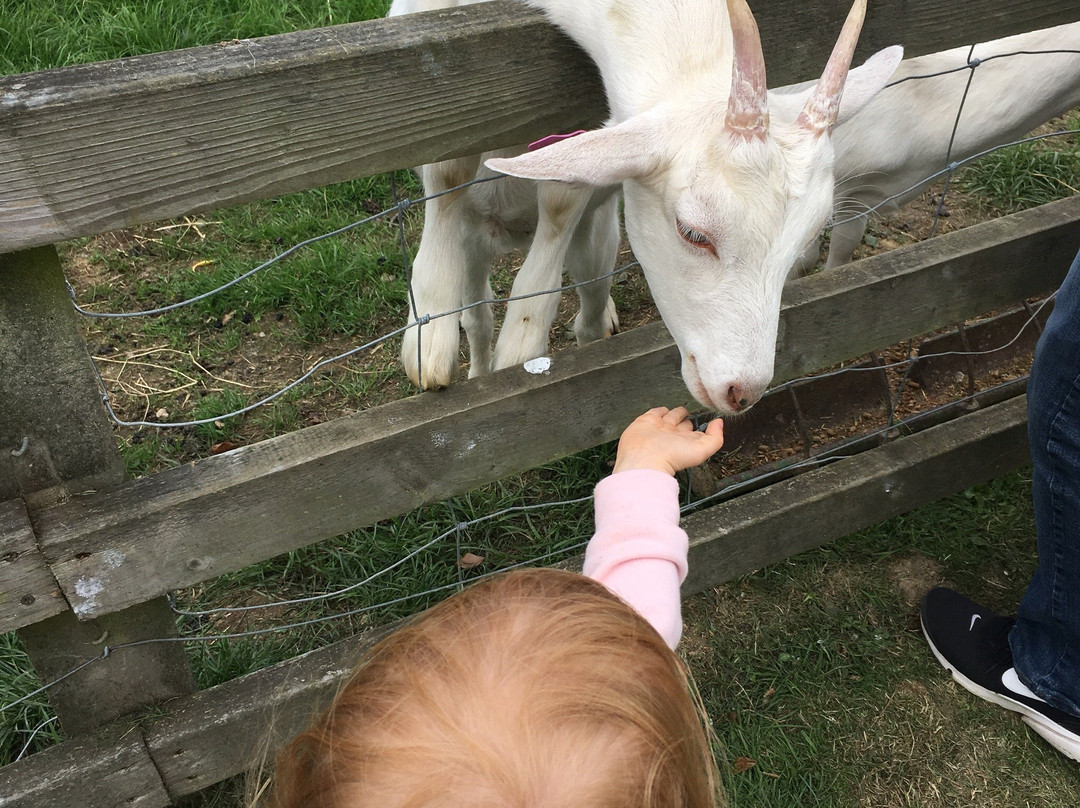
(52, 33)
(1026, 175)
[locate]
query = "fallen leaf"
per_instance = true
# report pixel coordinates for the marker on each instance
(199, 264)
(223, 446)
(741, 764)
(226, 317)
(769, 693)
(162, 414)
(470, 560)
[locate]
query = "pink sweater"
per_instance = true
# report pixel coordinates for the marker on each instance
(639, 550)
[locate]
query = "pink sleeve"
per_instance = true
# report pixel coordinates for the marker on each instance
(639, 550)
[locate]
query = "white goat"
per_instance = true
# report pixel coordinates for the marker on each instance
(884, 154)
(724, 186)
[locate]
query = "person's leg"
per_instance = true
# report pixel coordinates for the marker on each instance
(1031, 663)
(1046, 639)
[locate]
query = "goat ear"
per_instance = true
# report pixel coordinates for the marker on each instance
(862, 84)
(598, 158)
(867, 80)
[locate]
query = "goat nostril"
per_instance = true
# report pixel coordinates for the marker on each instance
(736, 399)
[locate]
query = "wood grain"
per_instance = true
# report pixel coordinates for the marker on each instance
(91, 148)
(192, 523)
(232, 727)
(107, 770)
(102, 146)
(28, 591)
(50, 407)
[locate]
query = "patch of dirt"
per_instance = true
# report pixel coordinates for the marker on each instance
(913, 576)
(266, 616)
(151, 378)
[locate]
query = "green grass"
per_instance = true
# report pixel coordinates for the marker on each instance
(53, 33)
(816, 670)
(344, 285)
(1027, 175)
(17, 679)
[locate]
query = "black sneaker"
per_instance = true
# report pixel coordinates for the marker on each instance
(973, 644)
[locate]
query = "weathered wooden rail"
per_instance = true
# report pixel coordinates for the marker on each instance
(90, 148)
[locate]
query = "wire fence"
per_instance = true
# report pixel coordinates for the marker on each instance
(396, 212)
(456, 540)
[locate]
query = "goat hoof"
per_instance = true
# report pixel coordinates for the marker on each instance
(432, 364)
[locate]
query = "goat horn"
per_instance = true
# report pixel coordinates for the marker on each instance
(748, 109)
(821, 108)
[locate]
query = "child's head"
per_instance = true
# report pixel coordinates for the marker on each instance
(532, 688)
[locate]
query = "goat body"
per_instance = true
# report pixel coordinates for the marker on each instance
(724, 185)
(885, 153)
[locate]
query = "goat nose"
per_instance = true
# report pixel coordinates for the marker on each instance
(737, 398)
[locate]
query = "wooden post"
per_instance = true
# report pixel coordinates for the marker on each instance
(55, 443)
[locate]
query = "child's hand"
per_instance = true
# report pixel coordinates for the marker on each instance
(665, 440)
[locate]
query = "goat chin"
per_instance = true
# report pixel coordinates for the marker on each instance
(719, 176)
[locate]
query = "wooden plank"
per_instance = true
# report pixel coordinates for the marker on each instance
(43, 359)
(192, 523)
(103, 771)
(217, 733)
(52, 412)
(921, 26)
(122, 683)
(24, 577)
(879, 301)
(96, 147)
(774, 523)
(238, 725)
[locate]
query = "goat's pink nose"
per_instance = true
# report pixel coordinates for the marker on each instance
(738, 399)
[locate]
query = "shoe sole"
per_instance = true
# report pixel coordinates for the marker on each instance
(1066, 743)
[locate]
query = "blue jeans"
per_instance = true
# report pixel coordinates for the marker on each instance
(1046, 639)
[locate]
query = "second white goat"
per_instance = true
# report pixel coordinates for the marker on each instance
(886, 152)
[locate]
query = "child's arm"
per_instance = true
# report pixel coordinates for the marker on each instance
(639, 550)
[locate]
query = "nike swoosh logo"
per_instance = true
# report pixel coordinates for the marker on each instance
(974, 617)
(1012, 683)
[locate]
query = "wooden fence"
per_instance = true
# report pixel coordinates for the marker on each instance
(82, 551)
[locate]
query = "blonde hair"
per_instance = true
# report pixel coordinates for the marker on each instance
(533, 688)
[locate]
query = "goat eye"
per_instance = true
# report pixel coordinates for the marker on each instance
(694, 238)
